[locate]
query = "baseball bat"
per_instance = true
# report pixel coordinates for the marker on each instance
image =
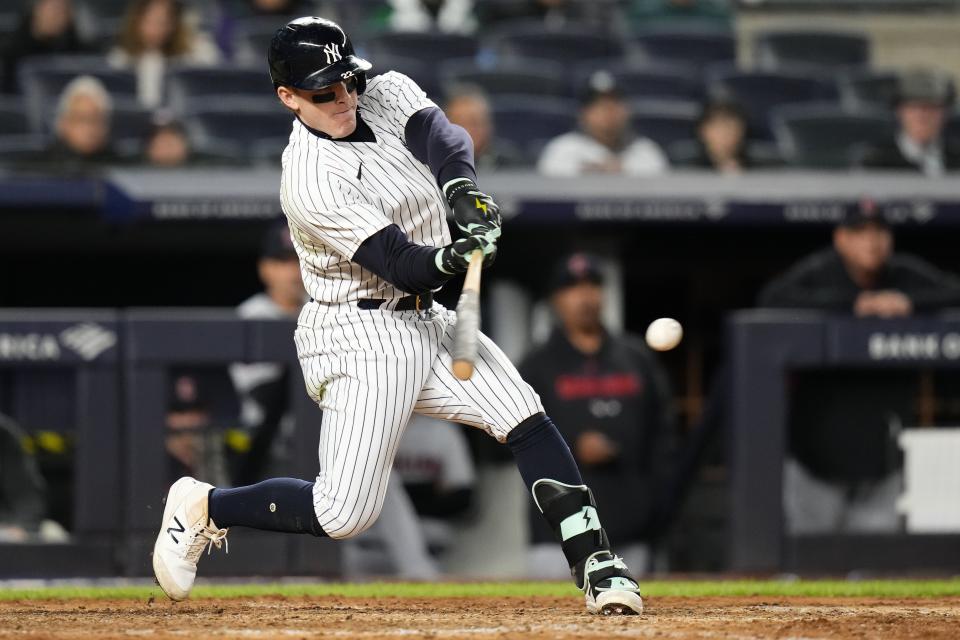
(468, 320)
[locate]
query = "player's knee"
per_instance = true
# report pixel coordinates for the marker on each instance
(350, 526)
(347, 517)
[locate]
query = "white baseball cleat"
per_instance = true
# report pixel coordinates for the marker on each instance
(185, 531)
(608, 587)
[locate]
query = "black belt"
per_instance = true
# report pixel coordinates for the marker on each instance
(420, 302)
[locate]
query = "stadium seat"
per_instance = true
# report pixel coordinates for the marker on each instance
(531, 123)
(267, 152)
(21, 150)
(867, 88)
(9, 23)
(825, 50)
(659, 81)
(238, 124)
(565, 46)
(696, 47)
(424, 74)
(760, 91)
(253, 37)
(100, 19)
(426, 47)
(826, 136)
(13, 119)
(509, 79)
(190, 88)
(43, 78)
(130, 121)
(666, 122)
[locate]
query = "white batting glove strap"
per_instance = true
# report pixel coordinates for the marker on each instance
(452, 183)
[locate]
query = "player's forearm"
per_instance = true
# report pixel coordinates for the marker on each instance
(406, 265)
(444, 147)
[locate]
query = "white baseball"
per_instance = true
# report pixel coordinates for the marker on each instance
(664, 334)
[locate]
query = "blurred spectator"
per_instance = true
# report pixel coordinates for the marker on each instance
(263, 386)
(276, 7)
(662, 13)
(468, 107)
(193, 446)
(616, 412)
(226, 14)
(604, 143)
(450, 16)
(167, 146)
(434, 463)
(825, 488)
(721, 138)
(923, 101)
(47, 27)
(21, 487)
(154, 34)
(860, 274)
(82, 127)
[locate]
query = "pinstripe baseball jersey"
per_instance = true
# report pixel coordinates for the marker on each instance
(337, 194)
(370, 369)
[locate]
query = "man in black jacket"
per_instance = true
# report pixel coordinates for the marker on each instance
(617, 409)
(923, 102)
(861, 274)
(842, 473)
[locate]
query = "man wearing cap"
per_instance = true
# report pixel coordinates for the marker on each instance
(617, 407)
(922, 103)
(603, 144)
(842, 472)
(262, 386)
(860, 274)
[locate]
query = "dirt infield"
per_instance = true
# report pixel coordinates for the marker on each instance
(501, 618)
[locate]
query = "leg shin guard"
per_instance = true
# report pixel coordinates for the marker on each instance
(571, 512)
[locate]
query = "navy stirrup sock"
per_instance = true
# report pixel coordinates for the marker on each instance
(278, 504)
(551, 474)
(541, 452)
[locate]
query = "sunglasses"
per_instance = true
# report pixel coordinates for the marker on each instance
(330, 96)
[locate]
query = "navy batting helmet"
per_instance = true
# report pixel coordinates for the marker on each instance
(312, 53)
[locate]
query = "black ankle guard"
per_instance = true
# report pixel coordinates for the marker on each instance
(571, 512)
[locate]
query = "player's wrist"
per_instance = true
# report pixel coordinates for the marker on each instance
(450, 262)
(458, 187)
(440, 260)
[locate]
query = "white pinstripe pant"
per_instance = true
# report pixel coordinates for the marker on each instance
(369, 370)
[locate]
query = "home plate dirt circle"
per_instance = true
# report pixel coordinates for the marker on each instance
(741, 618)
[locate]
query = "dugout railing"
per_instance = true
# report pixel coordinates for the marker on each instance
(764, 347)
(84, 345)
(119, 363)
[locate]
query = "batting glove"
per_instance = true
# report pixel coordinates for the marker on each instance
(455, 258)
(473, 211)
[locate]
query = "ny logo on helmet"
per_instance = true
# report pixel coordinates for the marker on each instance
(332, 52)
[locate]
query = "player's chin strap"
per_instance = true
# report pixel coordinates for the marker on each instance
(571, 512)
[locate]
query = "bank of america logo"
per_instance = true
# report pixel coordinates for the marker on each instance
(88, 340)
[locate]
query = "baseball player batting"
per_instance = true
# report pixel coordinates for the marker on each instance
(368, 173)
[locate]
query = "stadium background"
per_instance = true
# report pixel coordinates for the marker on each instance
(689, 244)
